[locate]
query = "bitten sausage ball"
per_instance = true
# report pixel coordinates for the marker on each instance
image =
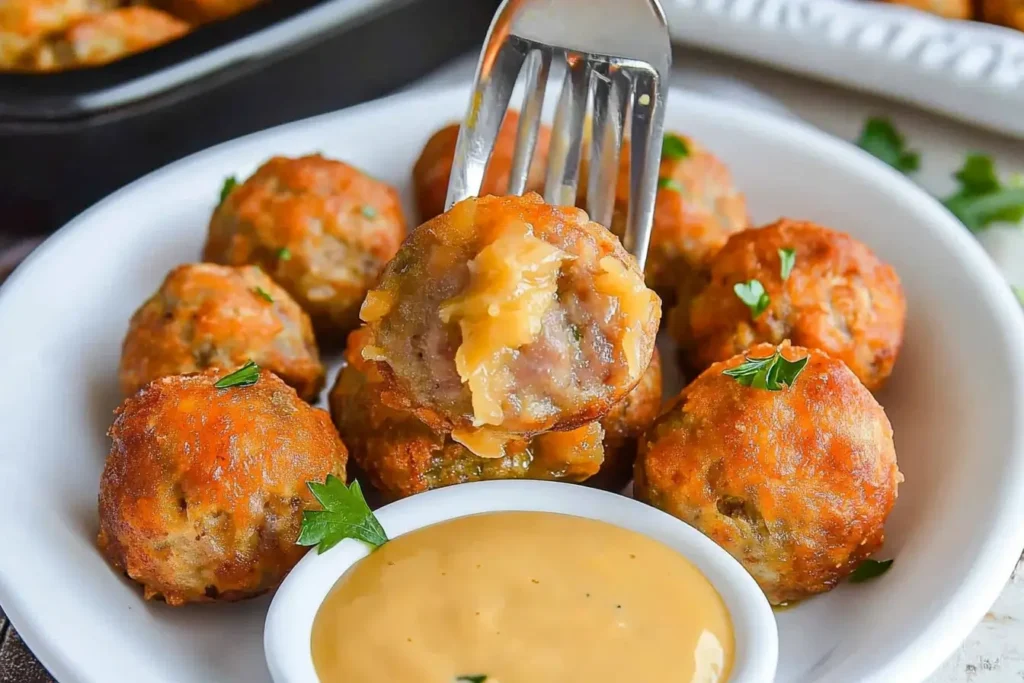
(696, 209)
(795, 483)
(837, 297)
(320, 228)
(102, 38)
(401, 456)
(210, 316)
(434, 166)
(508, 317)
(203, 491)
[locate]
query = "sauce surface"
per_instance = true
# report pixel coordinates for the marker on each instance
(523, 597)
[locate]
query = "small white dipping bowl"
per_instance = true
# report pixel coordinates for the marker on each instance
(290, 620)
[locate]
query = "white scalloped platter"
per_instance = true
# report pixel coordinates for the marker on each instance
(956, 401)
(964, 69)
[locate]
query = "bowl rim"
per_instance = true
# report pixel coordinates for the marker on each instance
(286, 639)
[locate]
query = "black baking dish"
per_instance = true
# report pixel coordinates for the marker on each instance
(69, 138)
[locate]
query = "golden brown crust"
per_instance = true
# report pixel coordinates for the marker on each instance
(210, 316)
(24, 23)
(434, 165)
(839, 298)
(401, 456)
(322, 229)
(102, 38)
(202, 495)
(796, 484)
(575, 368)
(694, 215)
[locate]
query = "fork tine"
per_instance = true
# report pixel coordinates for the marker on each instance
(610, 92)
(646, 129)
(567, 133)
(496, 76)
(537, 67)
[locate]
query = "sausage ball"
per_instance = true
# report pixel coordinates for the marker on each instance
(102, 38)
(209, 316)
(434, 166)
(23, 23)
(696, 209)
(202, 11)
(623, 426)
(839, 297)
(796, 483)
(509, 317)
(1006, 12)
(203, 492)
(401, 456)
(321, 228)
(951, 9)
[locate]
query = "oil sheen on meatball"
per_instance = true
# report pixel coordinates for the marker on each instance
(203, 491)
(434, 166)
(796, 484)
(623, 426)
(210, 316)
(401, 456)
(839, 298)
(24, 23)
(321, 228)
(102, 38)
(508, 317)
(696, 209)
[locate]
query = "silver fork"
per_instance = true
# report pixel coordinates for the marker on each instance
(617, 56)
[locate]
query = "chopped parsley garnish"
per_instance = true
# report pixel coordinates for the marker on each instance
(881, 139)
(576, 334)
(230, 183)
(263, 294)
(787, 259)
(345, 515)
(753, 295)
(674, 147)
(869, 569)
(368, 212)
(244, 376)
(669, 184)
(982, 199)
(284, 254)
(772, 373)
(1019, 293)
(474, 678)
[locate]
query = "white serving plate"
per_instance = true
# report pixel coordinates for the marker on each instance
(968, 70)
(289, 627)
(956, 401)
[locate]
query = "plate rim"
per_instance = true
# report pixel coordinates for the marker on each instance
(1005, 539)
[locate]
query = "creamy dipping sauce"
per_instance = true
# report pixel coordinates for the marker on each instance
(523, 597)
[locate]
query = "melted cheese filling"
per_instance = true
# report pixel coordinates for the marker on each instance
(635, 303)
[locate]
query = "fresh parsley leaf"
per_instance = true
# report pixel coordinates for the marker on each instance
(245, 376)
(787, 257)
(771, 373)
(284, 254)
(1019, 293)
(230, 183)
(669, 184)
(982, 199)
(753, 295)
(263, 294)
(576, 334)
(368, 212)
(477, 678)
(869, 569)
(674, 147)
(345, 515)
(881, 139)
